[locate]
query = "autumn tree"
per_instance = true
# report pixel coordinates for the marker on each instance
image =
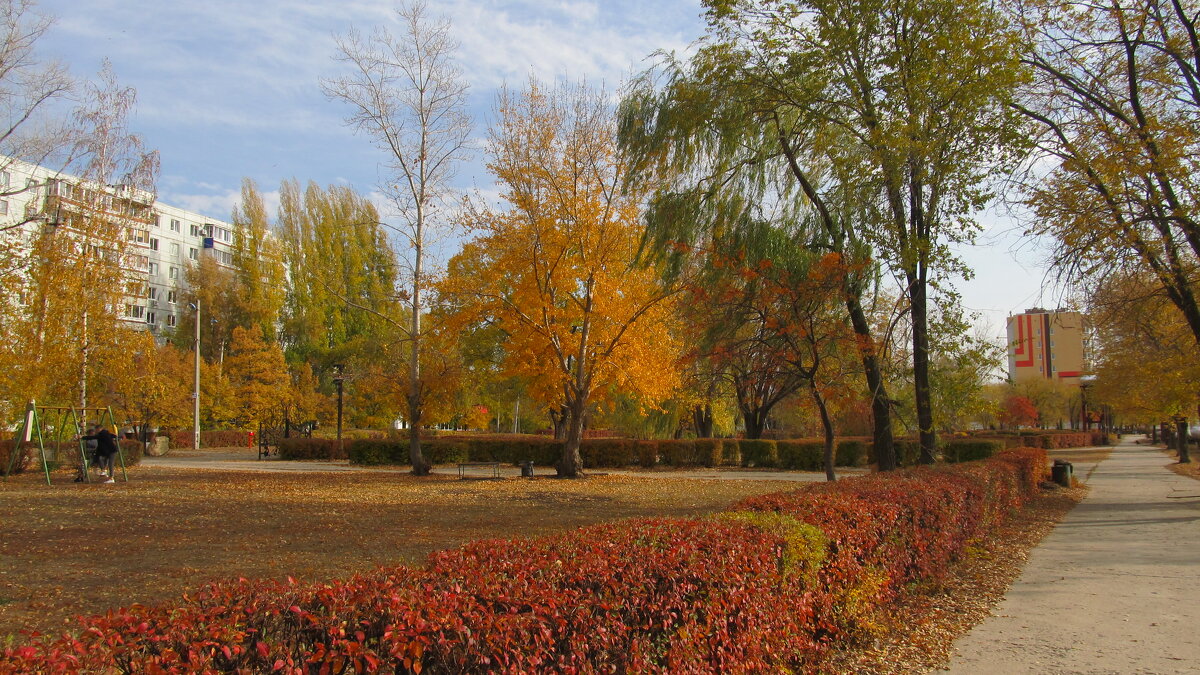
(152, 387)
(407, 94)
(334, 250)
(258, 269)
(1018, 411)
(258, 376)
(1115, 102)
(215, 286)
(556, 269)
(75, 268)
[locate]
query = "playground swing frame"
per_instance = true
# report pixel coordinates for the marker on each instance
(33, 422)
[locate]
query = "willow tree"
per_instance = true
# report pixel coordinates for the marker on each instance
(556, 268)
(886, 116)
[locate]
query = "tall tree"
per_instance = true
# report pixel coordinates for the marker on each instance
(258, 376)
(556, 269)
(919, 92)
(1114, 179)
(257, 264)
(409, 96)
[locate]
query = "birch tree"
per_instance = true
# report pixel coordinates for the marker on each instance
(407, 94)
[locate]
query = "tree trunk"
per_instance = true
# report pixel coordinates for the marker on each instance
(924, 398)
(558, 423)
(755, 421)
(1181, 440)
(883, 443)
(702, 417)
(571, 464)
(827, 426)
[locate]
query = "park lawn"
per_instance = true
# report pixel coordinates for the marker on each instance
(75, 549)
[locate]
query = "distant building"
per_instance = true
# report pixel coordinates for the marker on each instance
(1047, 344)
(163, 240)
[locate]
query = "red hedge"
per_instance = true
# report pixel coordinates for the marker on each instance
(695, 595)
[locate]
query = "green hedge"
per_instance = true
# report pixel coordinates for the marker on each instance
(758, 452)
(801, 455)
(850, 453)
(961, 450)
(312, 448)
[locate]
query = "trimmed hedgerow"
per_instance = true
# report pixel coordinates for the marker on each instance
(758, 452)
(311, 448)
(962, 450)
(768, 587)
(801, 455)
(607, 452)
(850, 453)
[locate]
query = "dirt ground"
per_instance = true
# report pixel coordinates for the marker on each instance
(75, 549)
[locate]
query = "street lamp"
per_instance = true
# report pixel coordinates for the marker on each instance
(339, 379)
(196, 382)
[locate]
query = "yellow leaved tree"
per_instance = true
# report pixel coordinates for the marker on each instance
(556, 268)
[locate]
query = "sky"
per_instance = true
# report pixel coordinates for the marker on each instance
(230, 89)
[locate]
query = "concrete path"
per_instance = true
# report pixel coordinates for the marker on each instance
(246, 461)
(1115, 588)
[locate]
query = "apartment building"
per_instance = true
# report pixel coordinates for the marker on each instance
(162, 240)
(1046, 344)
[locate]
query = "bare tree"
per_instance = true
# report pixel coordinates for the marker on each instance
(408, 95)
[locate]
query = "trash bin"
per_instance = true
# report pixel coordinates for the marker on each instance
(1062, 472)
(527, 469)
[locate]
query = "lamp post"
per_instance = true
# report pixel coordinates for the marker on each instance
(339, 379)
(196, 382)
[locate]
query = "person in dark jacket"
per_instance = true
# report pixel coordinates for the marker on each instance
(106, 447)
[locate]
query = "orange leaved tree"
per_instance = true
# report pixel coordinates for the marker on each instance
(557, 268)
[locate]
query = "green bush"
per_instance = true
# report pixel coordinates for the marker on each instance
(710, 452)
(801, 455)
(646, 452)
(681, 452)
(607, 452)
(731, 452)
(311, 448)
(962, 450)
(850, 453)
(758, 452)
(454, 449)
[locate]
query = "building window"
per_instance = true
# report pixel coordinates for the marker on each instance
(3, 207)
(194, 254)
(171, 320)
(153, 269)
(153, 244)
(174, 272)
(175, 227)
(135, 311)
(150, 318)
(224, 257)
(152, 293)
(154, 219)
(197, 231)
(175, 250)
(5, 178)
(171, 297)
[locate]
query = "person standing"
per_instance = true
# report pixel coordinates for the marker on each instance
(106, 447)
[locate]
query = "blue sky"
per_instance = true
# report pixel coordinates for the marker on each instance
(228, 88)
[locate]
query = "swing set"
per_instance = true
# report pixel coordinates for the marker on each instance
(68, 418)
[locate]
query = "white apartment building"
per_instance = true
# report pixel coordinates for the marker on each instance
(164, 239)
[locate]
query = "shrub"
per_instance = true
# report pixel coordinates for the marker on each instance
(21, 463)
(801, 455)
(767, 588)
(711, 452)
(511, 449)
(731, 452)
(682, 452)
(311, 448)
(210, 439)
(961, 450)
(850, 453)
(607, 452)
(646, 452)
(758, 452)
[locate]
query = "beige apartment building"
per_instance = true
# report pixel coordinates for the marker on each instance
(1047, 344)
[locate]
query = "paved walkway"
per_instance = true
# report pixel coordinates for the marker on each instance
(246, 461)
(1115, 588)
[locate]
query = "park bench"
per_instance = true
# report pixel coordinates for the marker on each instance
(463, 466)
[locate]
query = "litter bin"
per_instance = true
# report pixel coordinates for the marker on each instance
(1062, 472)
(526, 469)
